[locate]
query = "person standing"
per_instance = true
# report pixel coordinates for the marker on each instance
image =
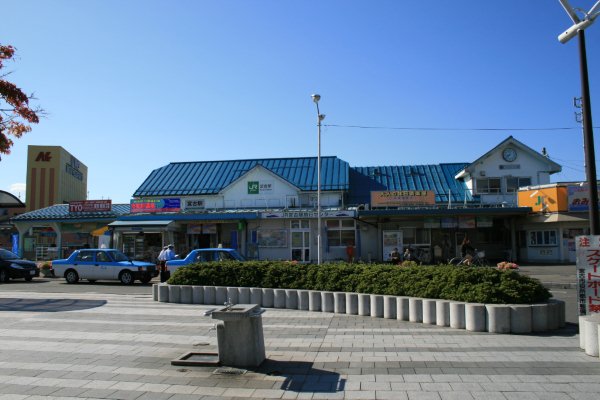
(162, 259)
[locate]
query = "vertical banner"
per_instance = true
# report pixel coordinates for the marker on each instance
(588, 274)
(15, 243)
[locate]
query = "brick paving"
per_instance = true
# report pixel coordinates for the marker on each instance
(93, 346)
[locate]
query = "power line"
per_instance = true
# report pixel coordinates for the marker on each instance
(453, 129)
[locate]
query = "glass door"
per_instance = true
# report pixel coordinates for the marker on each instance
(300, 239)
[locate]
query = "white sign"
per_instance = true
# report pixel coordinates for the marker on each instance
(307, 214)
(588, 274)
(193, 204)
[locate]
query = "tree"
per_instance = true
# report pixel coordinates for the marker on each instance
(15, 111)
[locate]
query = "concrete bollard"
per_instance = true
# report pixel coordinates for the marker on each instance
(457, 315)
(174, 294)
(220, 295)
(244, 296)
(475, 317)
(402, 308)
(364, 304)
(389, 307)
(303, 299)
(582, 319)
(233, 295)
(339, 303)
(163, 293)
(442, 313)
(520, 318)
(553, 315)
(415, 309)
(327, 301)
(268, 298)
(498, 318)
(429, 311)
(186, 294)
(210, 295)
(352, 303)
(291, 299)
(314, 300)
(376, 306)
(197, 295)
(279, 298)
(255, 295)
(539, 317)
(590, 326)
(155, 292)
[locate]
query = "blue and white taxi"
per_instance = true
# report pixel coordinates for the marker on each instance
(103, 264)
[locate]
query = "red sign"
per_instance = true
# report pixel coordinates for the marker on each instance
(90, 206)
(44, 156)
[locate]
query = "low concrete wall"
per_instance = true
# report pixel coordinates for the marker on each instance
(494, 318)
(589, 334)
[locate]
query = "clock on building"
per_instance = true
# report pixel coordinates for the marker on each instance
(509, 154)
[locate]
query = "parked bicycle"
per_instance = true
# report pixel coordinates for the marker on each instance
(477, 259)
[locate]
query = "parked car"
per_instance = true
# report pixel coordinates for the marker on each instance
(14, 267)
(103, 264)
(205, 255)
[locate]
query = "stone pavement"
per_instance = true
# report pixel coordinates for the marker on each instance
(92, 346)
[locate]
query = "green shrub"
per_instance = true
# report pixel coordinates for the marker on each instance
(460, 283)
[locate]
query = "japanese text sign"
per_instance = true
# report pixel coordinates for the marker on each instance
(588, 274)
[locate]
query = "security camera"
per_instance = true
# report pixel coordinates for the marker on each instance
(572, 31)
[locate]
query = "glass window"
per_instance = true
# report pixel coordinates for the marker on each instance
(102, 257)
(513, 184)
(340, 232)
(85, 256)
(542, 238)
(488, 185)
(299, 224)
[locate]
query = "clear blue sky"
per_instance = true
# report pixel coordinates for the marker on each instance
(130, 86)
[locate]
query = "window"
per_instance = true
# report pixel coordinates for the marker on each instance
(542, 238)
(488, 185)
(513, 184)
(102, 257)
(299, 224)
(85, 256)
(340, 232)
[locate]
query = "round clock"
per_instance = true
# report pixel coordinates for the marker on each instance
(509, 154)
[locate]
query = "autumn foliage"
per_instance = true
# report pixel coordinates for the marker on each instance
(15, 111)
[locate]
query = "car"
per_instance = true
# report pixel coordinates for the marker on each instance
(14, 267)
(205, 255)
(103, 264)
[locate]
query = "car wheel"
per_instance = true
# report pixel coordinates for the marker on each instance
(126, 278)
(71, 276)
(29, 278)
(4, 277)
(146, 278)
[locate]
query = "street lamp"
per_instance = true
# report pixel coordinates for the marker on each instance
(579, 25)
(320, 117)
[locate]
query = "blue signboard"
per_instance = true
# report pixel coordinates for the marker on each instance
(15, 243)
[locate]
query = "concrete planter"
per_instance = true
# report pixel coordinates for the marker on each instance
(174, 294)
(220, 295)
(498, 318)
(539, 317)
(475, 320)
(155, 292)
(389, 307)
(402, 308)
(233, 295)
(210, 295)
(589, 334)
(327, 302)
(314, 300)
(163, 293)
(279, 298)
(376, 306)
(186, 294)
(339, 303)
(364, 304)
(415, 309)
(291, 299)
(198, 294)
(255, 295)
(520, 318)
(457, 315)
(352, 303)
(267, 298)
(429, 311)
(244, 296)
(442, 313)
(303, 299)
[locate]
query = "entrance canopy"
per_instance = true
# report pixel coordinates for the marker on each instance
(8, 200)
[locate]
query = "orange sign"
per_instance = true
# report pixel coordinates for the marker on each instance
(398, 198)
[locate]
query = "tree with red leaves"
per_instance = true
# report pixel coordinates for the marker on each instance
(15, 112)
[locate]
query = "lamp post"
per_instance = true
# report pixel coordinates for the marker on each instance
(579, 25)
(320, 117)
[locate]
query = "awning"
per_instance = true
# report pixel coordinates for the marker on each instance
(558, 217)
(142, 224)
(100, 231)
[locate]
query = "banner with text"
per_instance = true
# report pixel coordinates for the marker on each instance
(588, 274)
(399, 198)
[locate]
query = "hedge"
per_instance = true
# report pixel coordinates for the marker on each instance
(449, 282)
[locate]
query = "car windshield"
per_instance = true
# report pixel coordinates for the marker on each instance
(8, 255)
(118, 256)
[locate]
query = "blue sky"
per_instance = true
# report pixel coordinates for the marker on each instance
(130, 86)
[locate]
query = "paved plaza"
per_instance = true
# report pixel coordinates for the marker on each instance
(107, 346)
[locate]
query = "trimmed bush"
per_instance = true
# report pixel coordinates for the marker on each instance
(448, 282)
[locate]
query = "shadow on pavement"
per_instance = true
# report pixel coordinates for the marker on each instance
(300, 376)
(48, 305)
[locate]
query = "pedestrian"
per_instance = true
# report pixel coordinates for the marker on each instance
(466, 251)
(162, 259)
(350, 252)
(395, 256)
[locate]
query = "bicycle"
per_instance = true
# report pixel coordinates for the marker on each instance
(477, 260)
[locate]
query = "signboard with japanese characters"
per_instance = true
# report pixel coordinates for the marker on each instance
(398, 198)
(90, 206)
(588, 274)
(155, 205)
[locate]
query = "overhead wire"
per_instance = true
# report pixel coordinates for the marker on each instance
(452, 129)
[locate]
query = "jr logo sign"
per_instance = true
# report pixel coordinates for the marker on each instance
(253, 187)
(44, 156)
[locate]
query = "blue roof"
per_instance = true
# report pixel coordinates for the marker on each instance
(438, 177)
(210, 177)
(61, 212)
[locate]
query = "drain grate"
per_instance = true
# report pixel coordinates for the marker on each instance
(229, 371)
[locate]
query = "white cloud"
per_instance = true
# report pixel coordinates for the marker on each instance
(18, 189)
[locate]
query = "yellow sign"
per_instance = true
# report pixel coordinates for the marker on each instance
(396, 198)
(551, 199)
